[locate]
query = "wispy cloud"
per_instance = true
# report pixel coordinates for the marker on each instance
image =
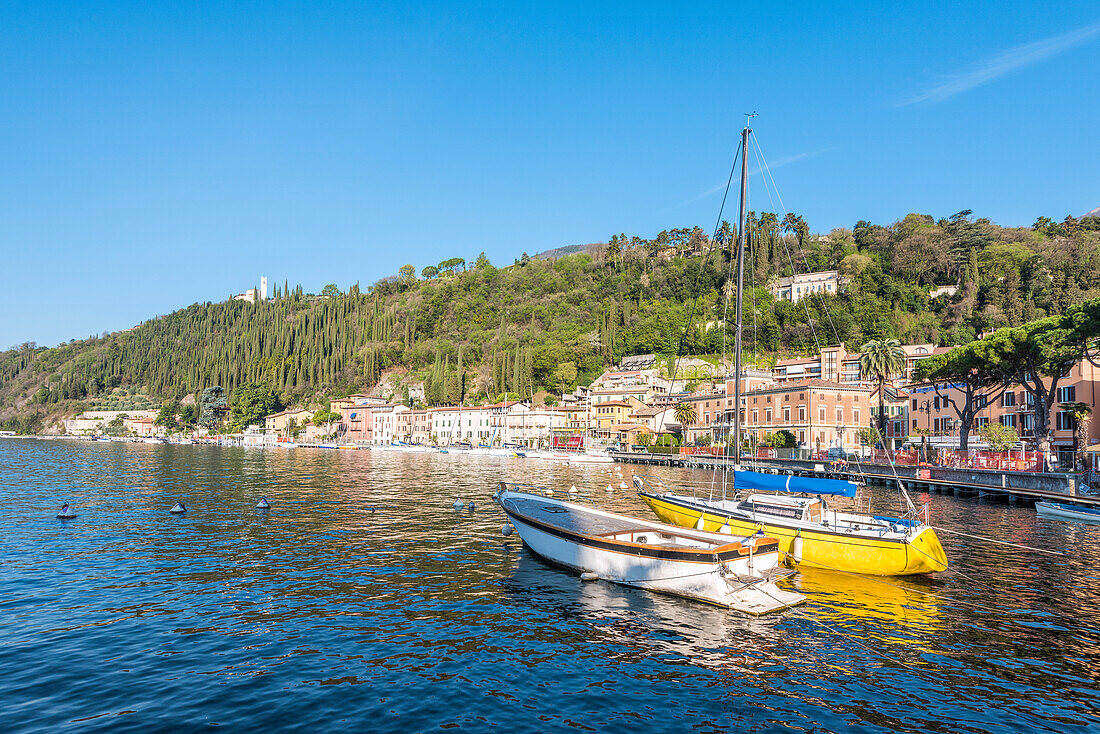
(772, 165)
(1003, 63)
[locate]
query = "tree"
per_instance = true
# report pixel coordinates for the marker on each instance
(167, 415)
(880, 359)
(962, 370)
(686, 414)
(250, 403)
(326, 417)
(211, 404)
(1080, 412)
(188, 417)
(565, 373)
(406, 275)
(999, 437)
(330, 291)
(645, 438)
(429, 272)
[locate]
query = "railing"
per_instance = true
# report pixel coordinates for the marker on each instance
(1025, 461)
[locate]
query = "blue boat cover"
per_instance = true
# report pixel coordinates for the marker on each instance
(755, 481)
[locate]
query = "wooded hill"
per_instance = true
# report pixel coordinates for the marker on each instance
(475, 329)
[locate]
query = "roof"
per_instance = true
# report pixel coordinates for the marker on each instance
(799, 360)
(288, 411)
(651, 411)
(621, 403)
(812, 382)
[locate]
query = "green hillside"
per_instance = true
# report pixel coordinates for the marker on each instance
(475, 329)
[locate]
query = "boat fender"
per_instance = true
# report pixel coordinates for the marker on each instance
(507, 529)
(549, 492)
(701, 523)
(66, 513)
(726, 529)
(589, 576)
(178, 509)
(796, 547)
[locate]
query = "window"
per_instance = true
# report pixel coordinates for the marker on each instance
(768, 415)
(981, 401)
(1008, 399)
(786, 415)
(755, 417)
(981, 422)
(802, 414)
(914, 403)
(855, 416)
(914, 424)
(1009, 420)
(1067, 394)
(802, 437)
(839, 416)
(936, 403)
(821, 415)
(1065, 421)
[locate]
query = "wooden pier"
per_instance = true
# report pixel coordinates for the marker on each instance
(1022, 487)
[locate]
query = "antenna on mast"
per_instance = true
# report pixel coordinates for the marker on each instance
(748, 118)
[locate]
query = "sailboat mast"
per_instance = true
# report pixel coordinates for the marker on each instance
(741, 236)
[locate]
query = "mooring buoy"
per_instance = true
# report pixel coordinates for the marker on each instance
(66, 513)
(178, 509)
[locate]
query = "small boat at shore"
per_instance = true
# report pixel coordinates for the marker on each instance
(1068, 511)
(735, 572)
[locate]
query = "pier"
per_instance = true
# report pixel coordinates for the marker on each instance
(1027, 487)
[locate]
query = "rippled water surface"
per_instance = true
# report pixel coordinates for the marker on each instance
(362, 600)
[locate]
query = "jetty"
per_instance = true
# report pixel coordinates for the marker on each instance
(1013, 486)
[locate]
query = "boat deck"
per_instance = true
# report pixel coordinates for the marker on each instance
(571, 519)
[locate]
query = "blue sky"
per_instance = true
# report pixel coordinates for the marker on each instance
(155, 155)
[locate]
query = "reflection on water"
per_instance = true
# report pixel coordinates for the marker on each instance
(362, 599)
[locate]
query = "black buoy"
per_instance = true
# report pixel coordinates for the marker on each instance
(178, 509)
(470, 507)
(66, 513)
(263, 504)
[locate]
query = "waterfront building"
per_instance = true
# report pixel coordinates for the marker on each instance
(414, 426)
(356, 424)
(819, 414)
(836, 364)
(933, 420)
(279, 422)
(534, 427)
(384, 423)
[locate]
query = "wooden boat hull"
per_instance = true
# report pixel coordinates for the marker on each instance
(730, 576)
(1062, 511)
(920, 553)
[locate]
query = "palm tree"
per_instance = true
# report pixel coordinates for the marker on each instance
(880, 359)
(686, 414)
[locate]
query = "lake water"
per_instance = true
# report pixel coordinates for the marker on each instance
(362, 600)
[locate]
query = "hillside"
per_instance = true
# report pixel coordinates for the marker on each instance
(484, 330)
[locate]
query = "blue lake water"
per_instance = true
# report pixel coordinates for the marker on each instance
(362, 600)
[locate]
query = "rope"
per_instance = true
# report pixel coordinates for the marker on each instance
(1000, 542)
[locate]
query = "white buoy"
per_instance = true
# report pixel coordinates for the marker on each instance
(507, 529)
(622, 485)
(589, 576)
(459, 504)
(178, 509)
(67, 513)
(263, 504)
(549, 492)
(610, 488)
(573, 489)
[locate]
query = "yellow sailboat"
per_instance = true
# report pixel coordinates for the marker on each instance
(811, 534)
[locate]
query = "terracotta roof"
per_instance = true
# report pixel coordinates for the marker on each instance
(812, 382)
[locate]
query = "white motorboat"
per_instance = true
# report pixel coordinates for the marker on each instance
(1067, 511)
(590, 457)
(734, 572)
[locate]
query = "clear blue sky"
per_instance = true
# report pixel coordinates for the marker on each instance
(154, 155)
